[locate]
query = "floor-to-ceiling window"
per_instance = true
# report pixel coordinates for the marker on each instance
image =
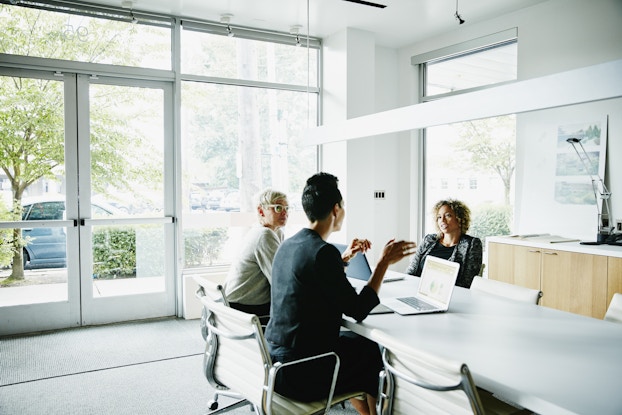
(472, 161)
(247, 98)
(112, 137)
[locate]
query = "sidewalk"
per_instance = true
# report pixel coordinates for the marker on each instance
(46, 286)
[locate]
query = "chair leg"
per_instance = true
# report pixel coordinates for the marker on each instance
(213, 404)
(233, 405)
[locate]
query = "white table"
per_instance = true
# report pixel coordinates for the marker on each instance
(548, 361)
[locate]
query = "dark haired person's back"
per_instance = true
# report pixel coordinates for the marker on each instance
(310, 292)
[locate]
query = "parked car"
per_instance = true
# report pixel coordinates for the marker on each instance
(197, 200)
(231, 202)
(47, 247)
(214, 199)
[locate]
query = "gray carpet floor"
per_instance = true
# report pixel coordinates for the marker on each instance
(147, 367)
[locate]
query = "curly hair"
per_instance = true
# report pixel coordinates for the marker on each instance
(462, 212)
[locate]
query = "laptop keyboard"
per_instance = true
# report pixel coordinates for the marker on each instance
(416, 303)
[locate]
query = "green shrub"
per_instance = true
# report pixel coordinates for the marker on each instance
(114, 252)
(6, 235)
(490, 220)
(203, 246)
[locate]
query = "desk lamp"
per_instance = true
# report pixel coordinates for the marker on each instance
(600, 191)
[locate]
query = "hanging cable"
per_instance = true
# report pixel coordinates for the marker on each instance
(457, 15)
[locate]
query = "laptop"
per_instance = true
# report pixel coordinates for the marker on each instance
(436, 286)
(359, 267)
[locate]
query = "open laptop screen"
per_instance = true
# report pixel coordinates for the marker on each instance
(359, 266)
(437, 280)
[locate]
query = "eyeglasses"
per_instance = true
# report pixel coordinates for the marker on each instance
(279, 208)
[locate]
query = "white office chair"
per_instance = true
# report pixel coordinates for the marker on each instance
(614, 311)
(215, 292)
(505, 290)
(238, 359)
(417, 382)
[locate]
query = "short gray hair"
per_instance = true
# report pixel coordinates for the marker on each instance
(269, 197)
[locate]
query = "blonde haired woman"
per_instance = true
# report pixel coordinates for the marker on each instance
(248, 282)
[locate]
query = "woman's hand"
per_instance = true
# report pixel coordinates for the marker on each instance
(392, 252)
(356, 246)
(395, 251)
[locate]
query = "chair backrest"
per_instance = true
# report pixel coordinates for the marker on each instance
(481, 270)
(236, 352)
(212, 289)
(416, 382)
(614, 311)
(237, 358)
(503, 289)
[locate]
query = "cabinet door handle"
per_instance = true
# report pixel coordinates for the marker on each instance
(550, 253)
(535, 251)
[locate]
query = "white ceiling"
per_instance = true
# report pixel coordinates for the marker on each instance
(401, 23)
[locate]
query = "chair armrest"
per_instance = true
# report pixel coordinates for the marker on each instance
(278, 366)
(199, 293)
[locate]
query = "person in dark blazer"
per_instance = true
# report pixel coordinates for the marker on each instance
(451, 242)
(310, 293)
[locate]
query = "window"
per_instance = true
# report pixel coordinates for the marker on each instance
(476, 156)
(94, 36)
(207, 52)
(246, 103)
(475, 69)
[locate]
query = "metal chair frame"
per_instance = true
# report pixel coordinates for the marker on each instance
(388, 384)
(233, 335)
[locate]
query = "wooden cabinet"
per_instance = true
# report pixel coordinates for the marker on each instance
(614, 277)
(514, 264)
(577, 282)
(574, 282)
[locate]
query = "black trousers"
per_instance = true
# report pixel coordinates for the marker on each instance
(360, 364)
(261, 310)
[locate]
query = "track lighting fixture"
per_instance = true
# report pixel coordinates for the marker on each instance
(295, 30)
(129, 4)
(226, 18)
(457, 15)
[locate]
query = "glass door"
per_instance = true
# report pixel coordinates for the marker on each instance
(86, 213)
(126, 229)
(39, 288)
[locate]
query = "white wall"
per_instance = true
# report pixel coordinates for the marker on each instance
(555, 36)
(354, 68)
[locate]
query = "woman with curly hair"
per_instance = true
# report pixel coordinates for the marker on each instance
(451, 242)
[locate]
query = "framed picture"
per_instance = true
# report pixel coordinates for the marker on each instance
(579, 168)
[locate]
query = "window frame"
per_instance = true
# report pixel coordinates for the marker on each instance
(421, 61)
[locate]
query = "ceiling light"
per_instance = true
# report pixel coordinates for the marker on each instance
(457, 15)
(295, 30)
(226, 18)
(129, 4)
(367, 3)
